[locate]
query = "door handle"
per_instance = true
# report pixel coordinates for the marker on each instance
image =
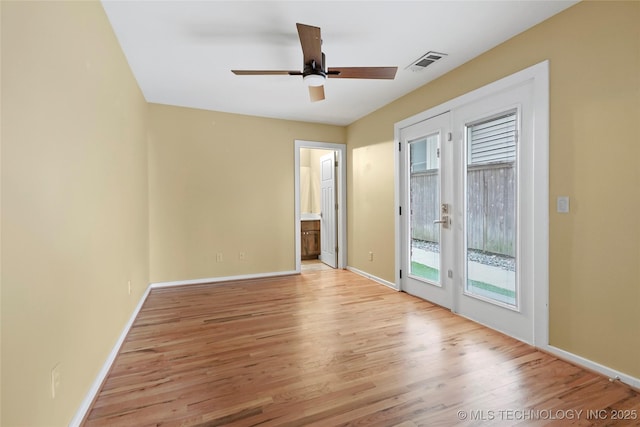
(445, 221)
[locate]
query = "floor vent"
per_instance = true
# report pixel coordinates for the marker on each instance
(425, 60)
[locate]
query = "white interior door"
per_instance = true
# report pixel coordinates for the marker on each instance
(328, 229)
(466, 182)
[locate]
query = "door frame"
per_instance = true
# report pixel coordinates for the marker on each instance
(341, 198)
(538, 75)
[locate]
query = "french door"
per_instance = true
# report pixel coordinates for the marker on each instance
(427, 226)
(466, 188)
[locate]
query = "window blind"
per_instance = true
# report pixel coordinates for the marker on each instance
(493, 141)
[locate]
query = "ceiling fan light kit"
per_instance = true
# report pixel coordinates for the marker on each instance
(314, 79)
(314, 76)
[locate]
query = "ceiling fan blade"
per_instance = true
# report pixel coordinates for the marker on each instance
(316, 93)
(266, 72)
(311, 43)
(388, 73)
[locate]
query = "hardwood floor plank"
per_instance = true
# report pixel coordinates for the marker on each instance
(329, 347)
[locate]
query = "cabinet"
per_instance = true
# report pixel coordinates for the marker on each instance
(310, 239)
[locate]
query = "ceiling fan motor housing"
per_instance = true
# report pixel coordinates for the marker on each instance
(312, 68)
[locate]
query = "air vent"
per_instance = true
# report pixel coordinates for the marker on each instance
(425, 60)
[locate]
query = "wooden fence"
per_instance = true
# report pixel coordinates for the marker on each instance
(424, 206)
(491, 208)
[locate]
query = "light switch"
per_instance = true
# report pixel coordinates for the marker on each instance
(562, 204)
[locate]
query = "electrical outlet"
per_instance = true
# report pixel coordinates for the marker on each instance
(562, 204)
(242, 256)
(370, 256)
(219, 257)
(56, 377)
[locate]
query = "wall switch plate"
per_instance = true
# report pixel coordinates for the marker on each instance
(219, 257)
(562, 204)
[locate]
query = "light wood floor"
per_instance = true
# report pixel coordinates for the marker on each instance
(313, 265)
(330, 348)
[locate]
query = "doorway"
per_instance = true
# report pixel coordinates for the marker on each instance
(320, 203)
(473, 206)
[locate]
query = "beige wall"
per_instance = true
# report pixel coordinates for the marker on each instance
(306, 184)
(74, 204)
(594, 54)
(0, 217)
(223, 183)
(310, 194)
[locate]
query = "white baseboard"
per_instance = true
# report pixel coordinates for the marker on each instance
(222, 279)
(102, 375)
(372, 277)
(612, 374)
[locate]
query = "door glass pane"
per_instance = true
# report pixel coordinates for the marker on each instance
(491, 183)
(425, 208)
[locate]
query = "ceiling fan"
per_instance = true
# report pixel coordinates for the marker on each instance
(315, 72)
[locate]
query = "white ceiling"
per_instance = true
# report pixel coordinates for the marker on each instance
(181, 52)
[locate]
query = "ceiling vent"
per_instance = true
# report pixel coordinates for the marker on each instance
(425, 60)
